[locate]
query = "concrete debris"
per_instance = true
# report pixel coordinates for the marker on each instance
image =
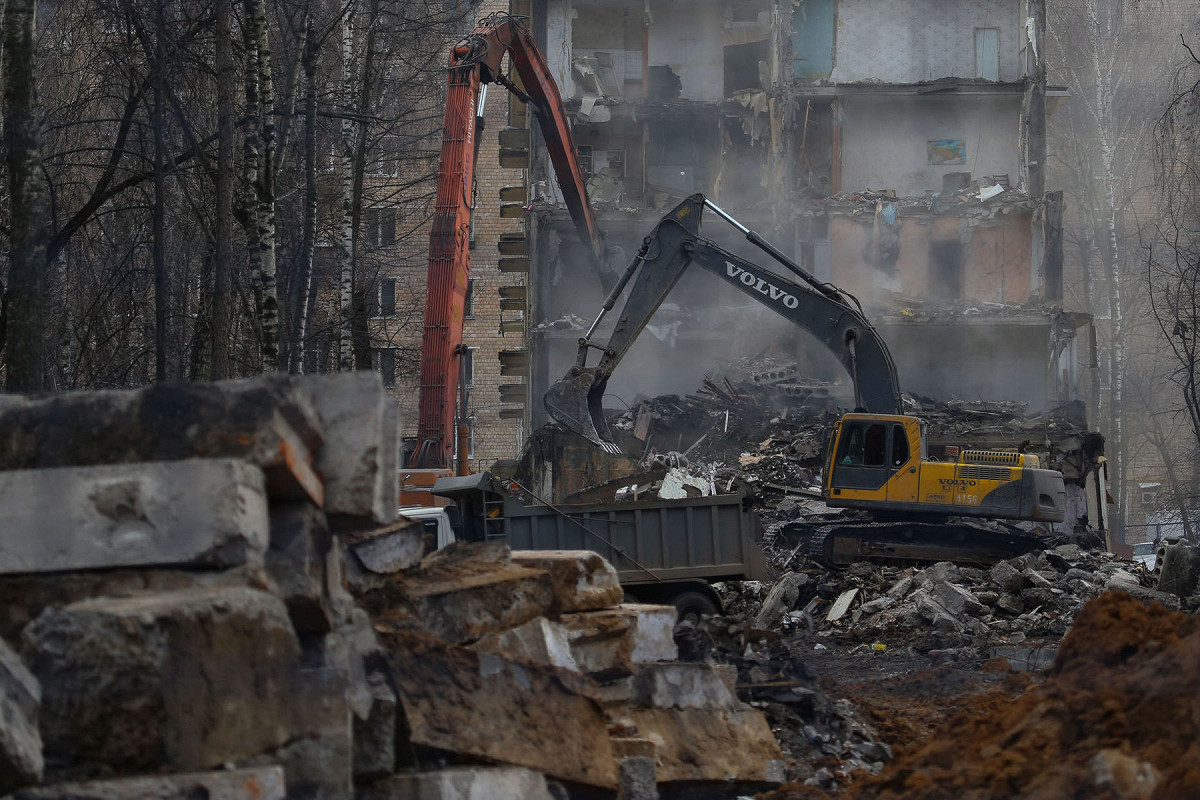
(538, 641)
(297, 560)
(457, 783)
(486, 706)
(197, 678)
(206, 513)
(253, 783)
(610, 642)
(388, 550)
(581, 579)
(466, 591)
(681, 685)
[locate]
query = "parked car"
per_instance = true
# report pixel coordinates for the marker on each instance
(1146, 554)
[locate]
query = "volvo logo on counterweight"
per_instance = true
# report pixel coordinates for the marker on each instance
(761, 285)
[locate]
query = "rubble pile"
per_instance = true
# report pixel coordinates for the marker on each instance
(205, 590)
(821, 737)
(756, 420)
(1017, 608)
(1117, 717)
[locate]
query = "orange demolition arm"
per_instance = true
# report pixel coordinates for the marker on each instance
(476, 61)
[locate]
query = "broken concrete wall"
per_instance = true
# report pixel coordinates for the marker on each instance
(974, 357)
(975, 252)
(924, 39)
(884, 140)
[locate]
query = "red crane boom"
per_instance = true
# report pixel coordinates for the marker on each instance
(474, 62)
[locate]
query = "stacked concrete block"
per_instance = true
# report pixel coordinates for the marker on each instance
(179, 681)
(459, 783)
(255, 783)
(609, 642)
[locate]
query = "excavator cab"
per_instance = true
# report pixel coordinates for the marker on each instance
(873, 456)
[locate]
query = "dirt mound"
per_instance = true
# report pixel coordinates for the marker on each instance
(1118, 717)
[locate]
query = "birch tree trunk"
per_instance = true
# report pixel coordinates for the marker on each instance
(223, 251)
(302, 285)
(27, 193)
(260, 175)
(346, 243)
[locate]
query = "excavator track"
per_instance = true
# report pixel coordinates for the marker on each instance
(839, 544)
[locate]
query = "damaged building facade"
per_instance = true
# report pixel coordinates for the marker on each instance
(897, 153)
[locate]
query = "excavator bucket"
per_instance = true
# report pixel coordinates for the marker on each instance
(574, 402)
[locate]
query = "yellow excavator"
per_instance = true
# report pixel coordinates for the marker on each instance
(914, 508)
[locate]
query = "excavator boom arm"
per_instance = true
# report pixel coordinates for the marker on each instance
(474, 62)
(672, 247)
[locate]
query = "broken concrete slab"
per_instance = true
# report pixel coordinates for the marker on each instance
(841, 605)
(681, 685)
(485, 706)
(1008, 577)
(466, 591)
(956, 599)
(388, 550)
(265, 421)
(23, 597)
(705, 744)
(610, 642)
(196, 678)
(581, 579)
(20, 742)
(295, 560)
(538, 641)
(375, 735)
(360, 461)
(780, 600)
(252, 783)
(461, 783)
(318, 757)
(1179, 570)
(202, 513)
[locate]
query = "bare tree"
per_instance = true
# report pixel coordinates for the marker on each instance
(25, 324)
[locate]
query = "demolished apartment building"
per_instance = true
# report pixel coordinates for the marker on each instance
(895, 152)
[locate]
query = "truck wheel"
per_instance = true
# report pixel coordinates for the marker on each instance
(694, 605)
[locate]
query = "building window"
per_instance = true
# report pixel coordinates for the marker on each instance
(987, 53)
(387, 297)
(381, 227)
(385, 359)
(468, 367)
(469, 300)
(583, 154)
(385, 161)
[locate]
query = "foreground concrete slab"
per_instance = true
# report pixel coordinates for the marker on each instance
(181, 681)
(20, 741)
(484, 706)
(610, 642)
(466, 591)
(256, 783)
(582, 580)
(697, 744)
(296, 559)
(388, 550)
(269, 422)
(681, 685)
(538, 641)
(360, 460)
(203, 513)
(462, 783)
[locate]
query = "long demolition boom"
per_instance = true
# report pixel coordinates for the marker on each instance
(474, 62)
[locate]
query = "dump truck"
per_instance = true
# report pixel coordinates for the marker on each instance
(665, 551)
